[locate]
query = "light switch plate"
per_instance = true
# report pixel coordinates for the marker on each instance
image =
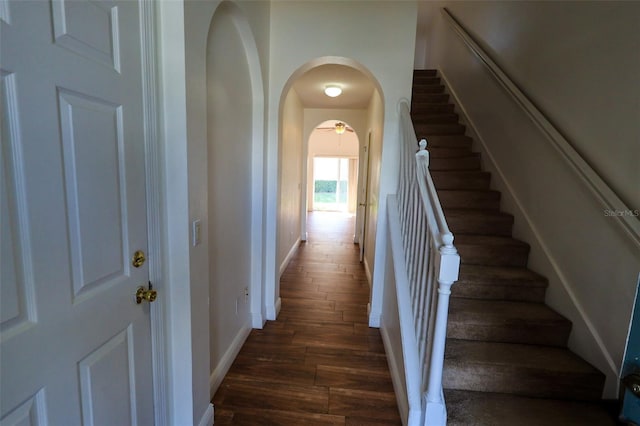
(196, 230)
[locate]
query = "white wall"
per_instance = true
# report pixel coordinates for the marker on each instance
(290, 179)
(229, 140)
(184, 67)
(309, 33)
(579, 63)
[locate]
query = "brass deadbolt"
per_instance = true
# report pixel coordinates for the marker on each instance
(138, 259)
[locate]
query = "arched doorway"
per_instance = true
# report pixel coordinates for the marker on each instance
(303, 106)
(234, 151)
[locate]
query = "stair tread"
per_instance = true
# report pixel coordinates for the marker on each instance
(487, 240)
(465, 408)
(431, 72)
(507, 321)
(434, 126)
(503, 312)
(463, 162)
(460, 179)
(427, 87)
(476, 213)
(469, 199)
(449, 152)
(434, 118)
(429, 98)
(450, 141)
(500, 275)
(516, 355)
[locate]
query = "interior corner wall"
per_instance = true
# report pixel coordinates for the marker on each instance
(578, 63)
(289, 215)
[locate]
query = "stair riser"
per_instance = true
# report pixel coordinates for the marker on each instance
(419, 119)
(449, 141)
(531, 334)
(427, 88)
(424, 73)
(438, 152)
(462, 163)
(426, 98)
(430, 108)
(455, 180)
(485, 200)
(493, 256)
(498, 292)
(423, 131)
(487, 226)
(421, 80)
(521, 381)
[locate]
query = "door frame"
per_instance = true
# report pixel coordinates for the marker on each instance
(363, 196)
(154, 188)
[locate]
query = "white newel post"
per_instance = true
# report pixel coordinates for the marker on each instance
(447, 264)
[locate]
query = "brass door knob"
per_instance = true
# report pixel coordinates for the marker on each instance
(149, 295)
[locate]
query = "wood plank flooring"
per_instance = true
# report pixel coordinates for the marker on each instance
(319, 363)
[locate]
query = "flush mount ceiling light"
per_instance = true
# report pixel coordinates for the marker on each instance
(332, 91)
(340, 128)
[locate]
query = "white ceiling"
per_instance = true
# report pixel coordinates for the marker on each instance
(357, 89)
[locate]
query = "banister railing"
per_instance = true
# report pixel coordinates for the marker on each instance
(431, 263)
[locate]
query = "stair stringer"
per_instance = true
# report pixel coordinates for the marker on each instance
(584, 339)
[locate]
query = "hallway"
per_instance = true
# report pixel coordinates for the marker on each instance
(319, 363)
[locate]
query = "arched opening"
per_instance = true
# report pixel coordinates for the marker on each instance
(303, 108)
(234, 151)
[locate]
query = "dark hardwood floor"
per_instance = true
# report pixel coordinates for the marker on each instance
(319, 363)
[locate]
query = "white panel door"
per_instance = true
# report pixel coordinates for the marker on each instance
(75, 346)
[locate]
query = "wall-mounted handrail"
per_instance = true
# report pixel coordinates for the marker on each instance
(598, 187)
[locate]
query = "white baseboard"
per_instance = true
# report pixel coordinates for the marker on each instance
(290, 255)
(367, 271)
(274, 310)
(227, 359)
(207, 417)
(374, 317)
(257, 320)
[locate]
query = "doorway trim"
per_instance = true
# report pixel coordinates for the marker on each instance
(153, 173)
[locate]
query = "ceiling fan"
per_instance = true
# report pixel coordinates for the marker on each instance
(339, 128)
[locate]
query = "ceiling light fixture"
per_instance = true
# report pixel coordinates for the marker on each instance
(332, 91)
(340, 128)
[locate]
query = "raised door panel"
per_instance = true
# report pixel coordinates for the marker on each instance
(107, 382)
(30, 413)
(17, 307)
(88, 28)
(93, 153)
